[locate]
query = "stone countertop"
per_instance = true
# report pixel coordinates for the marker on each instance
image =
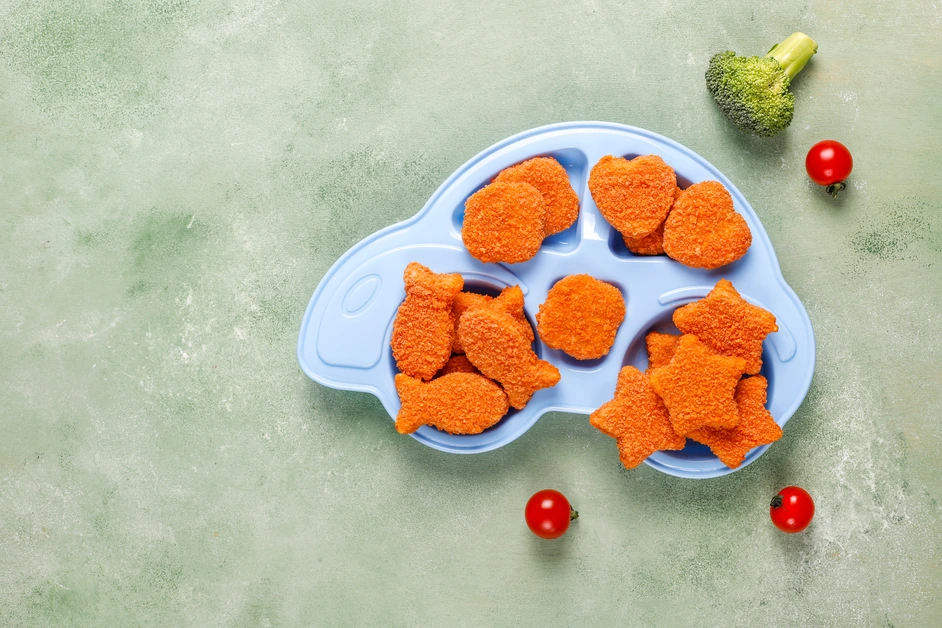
(178, 175)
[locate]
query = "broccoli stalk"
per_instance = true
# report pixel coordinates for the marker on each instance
(753, 91)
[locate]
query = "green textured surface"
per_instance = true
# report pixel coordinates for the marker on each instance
(177, 176)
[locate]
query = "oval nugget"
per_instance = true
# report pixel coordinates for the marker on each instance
(550, 178)
(504, 222)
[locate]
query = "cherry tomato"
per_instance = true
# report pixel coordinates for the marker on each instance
(548, 514)
(829, 163)
(792, 509)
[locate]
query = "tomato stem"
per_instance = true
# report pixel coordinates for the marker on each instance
(834, 188)
(573, 515)
(777, 502)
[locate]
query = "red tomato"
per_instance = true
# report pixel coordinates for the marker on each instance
(829, 163)
(548, 514)
(792, 509)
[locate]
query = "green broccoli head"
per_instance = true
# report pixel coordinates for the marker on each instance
(753, 91)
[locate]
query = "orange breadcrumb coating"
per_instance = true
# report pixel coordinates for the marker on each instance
(510, 300)
(459, 403)
(653, 243)
(698, 386)
(424, 328)
(661, 348)
(729, 325)
(756, 426)
(637, 418)
(494, 343)
(457, 364)
(550, 178)
(504, 222)
(703, 230)
(634, 196)
(581, 316)
(464, 302)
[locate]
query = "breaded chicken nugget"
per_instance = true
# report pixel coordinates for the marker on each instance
(493, 342)
(661, 348)
(464, 302)
(504, 222)
(459, 403)
(756, 426)
(424, 329)
(703, 230)
(581, 316)
(550, 178)
(653, 243)
(634, 196)
(728, 324)
(510, 300)
(637, 418)
(698, 386)
(457, 364)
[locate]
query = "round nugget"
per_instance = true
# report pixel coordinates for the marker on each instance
(634, 196)
(704, 230)
(504, 222)
(550, 178)
(581, 316)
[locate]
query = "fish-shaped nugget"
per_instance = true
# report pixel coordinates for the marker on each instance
(504, 222)
(457, 364)
(464, 302)
(698, 387)
(458, 403)
(581, 316)
(704, 230)
(661, 348)
(756, 426)
(634, 196)
(493, 342)
(653, 243)
(550, 178)
(637, 418)
(728, 324)
(424, 329)
(509, 300)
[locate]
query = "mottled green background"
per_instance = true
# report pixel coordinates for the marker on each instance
(175, 178)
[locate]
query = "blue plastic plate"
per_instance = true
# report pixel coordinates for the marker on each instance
(344, 340)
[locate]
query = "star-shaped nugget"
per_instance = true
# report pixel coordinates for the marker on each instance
(661, 348)
(756, 426)
(698, 385)
(726, 323)
(637, 418)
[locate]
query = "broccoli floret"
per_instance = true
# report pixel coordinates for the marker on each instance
(753, 91)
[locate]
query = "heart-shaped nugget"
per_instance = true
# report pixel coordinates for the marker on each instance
(703, 230)
(634, 196)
